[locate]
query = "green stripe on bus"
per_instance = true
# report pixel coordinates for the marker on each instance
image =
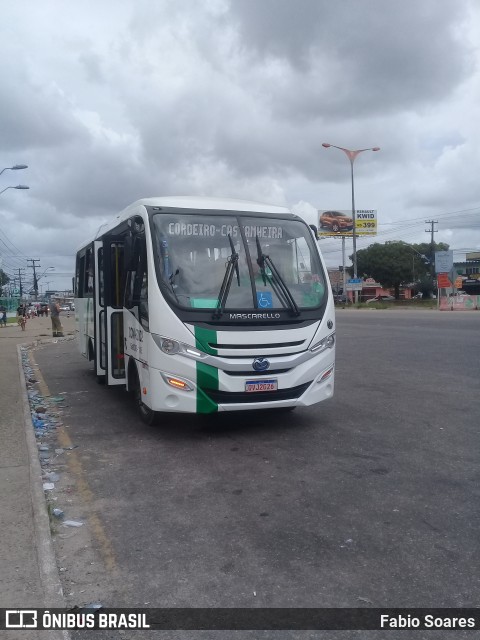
(207, 379)
(203, 337)
(207, 376)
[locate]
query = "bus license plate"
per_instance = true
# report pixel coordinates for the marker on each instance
(255, 386)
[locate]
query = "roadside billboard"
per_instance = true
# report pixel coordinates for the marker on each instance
(338, 223)
(443, 261)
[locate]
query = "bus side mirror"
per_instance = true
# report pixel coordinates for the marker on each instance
(314, 229)
(130, 246)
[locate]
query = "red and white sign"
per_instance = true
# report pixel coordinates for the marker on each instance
(442, 281)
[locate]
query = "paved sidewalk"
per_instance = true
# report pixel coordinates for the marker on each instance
(28, 576)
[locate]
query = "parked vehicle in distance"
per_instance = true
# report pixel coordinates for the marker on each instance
(381, 298)
(64, 307)
(336, 221)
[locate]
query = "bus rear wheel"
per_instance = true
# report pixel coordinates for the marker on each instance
(147, 415)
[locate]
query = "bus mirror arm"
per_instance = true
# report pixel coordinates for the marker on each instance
(128, 249)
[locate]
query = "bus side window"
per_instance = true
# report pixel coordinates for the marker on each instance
(101, 278)
(79, 276)
(143, 306)
(88, 281)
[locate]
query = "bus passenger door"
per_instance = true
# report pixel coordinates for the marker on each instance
(99, 319)
(114, 270)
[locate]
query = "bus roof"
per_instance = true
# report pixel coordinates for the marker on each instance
(191, 202)
(201, 202)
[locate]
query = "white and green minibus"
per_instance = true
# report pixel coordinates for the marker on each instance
(202, 305)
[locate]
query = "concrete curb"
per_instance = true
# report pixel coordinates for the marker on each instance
(49, 574)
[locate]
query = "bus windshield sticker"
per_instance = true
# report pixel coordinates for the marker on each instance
(204, 303)
(264, 299)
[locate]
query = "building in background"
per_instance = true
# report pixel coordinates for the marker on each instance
(470, 272)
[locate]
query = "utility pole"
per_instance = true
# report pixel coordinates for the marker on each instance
(35, 282)
(20, 281)
(432, 230)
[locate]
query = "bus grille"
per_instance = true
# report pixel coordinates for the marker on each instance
(250, 373)
(234, 397)
(271, 345)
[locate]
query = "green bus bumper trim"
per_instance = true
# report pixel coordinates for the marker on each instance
(207, 376)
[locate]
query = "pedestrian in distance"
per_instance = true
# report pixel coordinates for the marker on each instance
(3, 316)
(57, 329)
(20, 313)
(22, 316)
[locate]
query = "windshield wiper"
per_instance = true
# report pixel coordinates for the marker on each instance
(232, 267)
(276, 280)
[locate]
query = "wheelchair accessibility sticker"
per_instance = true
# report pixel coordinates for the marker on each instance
(264, 299)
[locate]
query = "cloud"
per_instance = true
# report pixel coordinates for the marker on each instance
(109, 102)
(355, 59)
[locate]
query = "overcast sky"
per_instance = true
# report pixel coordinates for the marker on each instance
(114, 100)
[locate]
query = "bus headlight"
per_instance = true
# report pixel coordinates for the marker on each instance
(168, 346)
(172, 347)
(326, 343)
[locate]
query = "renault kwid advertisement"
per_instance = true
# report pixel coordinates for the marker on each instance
(339, 222)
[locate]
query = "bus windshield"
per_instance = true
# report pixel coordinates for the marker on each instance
(237, 262)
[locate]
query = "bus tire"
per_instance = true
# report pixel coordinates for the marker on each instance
(147, 415)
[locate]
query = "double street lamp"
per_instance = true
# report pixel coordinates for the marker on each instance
(15, 167)
(352, 155)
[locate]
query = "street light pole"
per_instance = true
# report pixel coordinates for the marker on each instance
(19, 186)
(352, 155)
(422, 255)
(15, 167)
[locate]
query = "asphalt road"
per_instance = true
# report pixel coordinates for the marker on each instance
(370, 499)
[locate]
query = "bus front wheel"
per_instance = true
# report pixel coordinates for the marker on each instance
(147, 415)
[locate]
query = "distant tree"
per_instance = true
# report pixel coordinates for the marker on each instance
(425, 286)
(425, 248)
(4, 279)
(396, 263)
(424, 280)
